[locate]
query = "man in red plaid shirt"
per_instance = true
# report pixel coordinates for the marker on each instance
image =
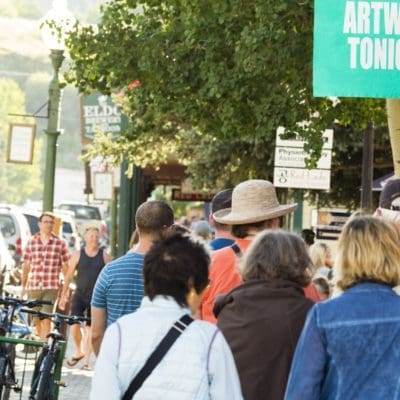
(45, 257)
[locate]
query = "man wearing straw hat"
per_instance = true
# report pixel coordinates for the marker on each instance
(255, 207)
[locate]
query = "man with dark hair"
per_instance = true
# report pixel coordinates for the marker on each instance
(255, 207)
(389, 203)
(119, 287)
(45, 256)
(308, 236)
(223, 236)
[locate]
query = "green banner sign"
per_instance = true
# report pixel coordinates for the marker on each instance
(100, 113)
(357, 48)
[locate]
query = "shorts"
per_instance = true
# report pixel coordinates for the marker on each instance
(80, 305)
(44, 294)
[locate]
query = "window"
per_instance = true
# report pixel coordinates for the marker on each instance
(33, 223)
(82, 212)
(7, 225)
(67, 227)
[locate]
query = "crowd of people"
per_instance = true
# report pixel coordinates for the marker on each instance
(252, 312)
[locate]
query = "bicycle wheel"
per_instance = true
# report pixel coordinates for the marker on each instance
(45, 379)
(35, 375)
(3, 369)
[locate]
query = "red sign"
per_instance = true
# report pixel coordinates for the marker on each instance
(177, 195)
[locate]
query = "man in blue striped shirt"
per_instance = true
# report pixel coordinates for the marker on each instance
(119, 287)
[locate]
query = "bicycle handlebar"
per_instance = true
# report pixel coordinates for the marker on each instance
(69, 319)
(35, 303)
(15, 301)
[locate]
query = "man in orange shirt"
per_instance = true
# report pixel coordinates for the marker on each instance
(255, 207)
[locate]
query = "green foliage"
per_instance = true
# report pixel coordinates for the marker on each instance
(18, 182)
(346, 167)
(216, 80)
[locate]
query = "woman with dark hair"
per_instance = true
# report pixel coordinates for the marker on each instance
(197, 365)
(349, 348)
(263, 318)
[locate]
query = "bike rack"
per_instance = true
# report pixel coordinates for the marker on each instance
(30, 364)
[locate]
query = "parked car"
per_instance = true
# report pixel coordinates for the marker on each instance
(7, 263)
(15, 230)
(69, 229)
(32, 217)
(87, 215)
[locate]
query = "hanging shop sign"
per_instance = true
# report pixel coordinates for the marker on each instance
(100, 113)
(178, 195)
(290, 169)
(103, 185)
(356, 48)
(20, 145)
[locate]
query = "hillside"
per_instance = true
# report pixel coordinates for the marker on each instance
(25, 59)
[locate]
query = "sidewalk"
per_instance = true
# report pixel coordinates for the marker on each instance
(78, 381)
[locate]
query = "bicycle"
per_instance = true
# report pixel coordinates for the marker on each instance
(44, 384)
(12, 324)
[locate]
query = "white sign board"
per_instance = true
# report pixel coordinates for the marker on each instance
(103, 185)
(295, 157)
(117, 176)
(299, 178)
(290, 167)
(21, 140)
(327, 137)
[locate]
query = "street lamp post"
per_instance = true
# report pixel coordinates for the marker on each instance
(58, 18)
(52, 131)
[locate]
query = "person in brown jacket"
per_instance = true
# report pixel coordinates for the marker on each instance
(262, 319)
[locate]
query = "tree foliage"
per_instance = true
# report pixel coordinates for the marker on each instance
(18, 182)
(216, 80)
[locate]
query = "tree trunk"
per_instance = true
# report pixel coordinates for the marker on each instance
(393, 110)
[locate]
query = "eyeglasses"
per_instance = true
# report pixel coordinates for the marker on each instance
(47, 222)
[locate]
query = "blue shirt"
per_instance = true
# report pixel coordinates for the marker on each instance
(119, 287)
(349, 348)
(220, 243)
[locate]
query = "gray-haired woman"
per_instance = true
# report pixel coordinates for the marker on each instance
(262, 319)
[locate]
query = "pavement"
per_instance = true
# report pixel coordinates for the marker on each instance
(78, 381)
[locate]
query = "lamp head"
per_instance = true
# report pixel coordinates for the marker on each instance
(58, 17)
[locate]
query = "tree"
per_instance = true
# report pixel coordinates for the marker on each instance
(216, 80)
(18, 182)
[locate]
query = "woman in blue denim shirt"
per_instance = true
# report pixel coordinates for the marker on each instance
(350, 345)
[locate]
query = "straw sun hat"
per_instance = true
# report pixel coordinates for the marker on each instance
(253, 201)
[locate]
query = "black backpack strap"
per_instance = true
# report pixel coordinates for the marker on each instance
(157, 355)
(236, 249)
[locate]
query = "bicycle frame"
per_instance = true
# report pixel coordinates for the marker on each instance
(17, 329)
(7, 373)
(12, 307)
